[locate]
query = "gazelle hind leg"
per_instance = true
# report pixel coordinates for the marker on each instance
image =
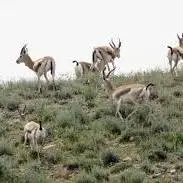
(170, 63)
(45, 75)
(118, 112)
(133, 112)
(25, 138)
(39, 85)
(175, 67)
(37, 149)
(53, 80)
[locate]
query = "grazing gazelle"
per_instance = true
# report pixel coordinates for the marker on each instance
(31, 129)
(40, 66)
(133, 92)
(83, 68)
(175, 54)
(33, 132)
(106, 54)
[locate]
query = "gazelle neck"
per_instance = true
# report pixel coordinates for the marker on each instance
(110, 87)
(113, 54)
(28, 61)
(181, 45)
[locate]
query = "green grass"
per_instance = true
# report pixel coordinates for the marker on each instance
(89, 143)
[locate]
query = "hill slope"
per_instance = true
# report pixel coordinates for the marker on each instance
(89, 143)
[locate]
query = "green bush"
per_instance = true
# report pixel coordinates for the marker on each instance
(100, 174)
(109, 158)
(133, 175)
(6, 148)
(85, 178)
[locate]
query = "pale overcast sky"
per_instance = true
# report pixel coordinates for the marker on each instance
(68, 30)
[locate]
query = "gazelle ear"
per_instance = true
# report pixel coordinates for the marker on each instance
(24, 50)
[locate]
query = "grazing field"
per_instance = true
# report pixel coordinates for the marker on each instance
(86, 143)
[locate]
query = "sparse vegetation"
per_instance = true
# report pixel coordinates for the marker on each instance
(86, 142)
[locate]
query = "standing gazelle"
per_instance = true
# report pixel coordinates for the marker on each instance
(40, 66)
(106, 54)
(175, 54)
(133, 92)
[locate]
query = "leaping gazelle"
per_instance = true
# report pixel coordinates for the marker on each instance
(106, 54)
(40, 66)
(136, 93)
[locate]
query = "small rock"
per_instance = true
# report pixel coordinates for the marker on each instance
(131, 139)
(172, 171)
(156, 175)
(127, 159)
(49, 146)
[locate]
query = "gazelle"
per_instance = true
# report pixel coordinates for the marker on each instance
(83, 68)
(40, 66)
(175, 54)
(32, 130)
(133, 92)
(106, 54)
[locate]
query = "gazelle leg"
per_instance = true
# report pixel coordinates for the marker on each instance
(39, 85)
(37, 149)
(53, 80)
(113, 64)
(131, 114)
(175, 66)
(25, 138)
(45, 75)
(32, 143)
(170, 63)
(118, 112)
(108, 67)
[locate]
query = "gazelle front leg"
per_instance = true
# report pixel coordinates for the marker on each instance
(112, 61)
(106, 61)
(108, 67)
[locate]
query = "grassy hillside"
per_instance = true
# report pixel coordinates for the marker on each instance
(90, 144)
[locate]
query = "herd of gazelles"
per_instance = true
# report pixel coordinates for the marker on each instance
(101, 57)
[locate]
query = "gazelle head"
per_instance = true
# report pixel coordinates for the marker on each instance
(21, 111)
(116, 49)
(23, 54)
(108, 85)
(180, 40)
